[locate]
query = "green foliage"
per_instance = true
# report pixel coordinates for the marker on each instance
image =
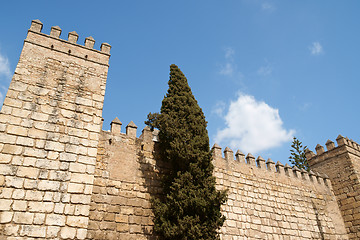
(297, 157)
(190, 206)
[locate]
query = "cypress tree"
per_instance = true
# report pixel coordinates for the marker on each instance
(190, 205)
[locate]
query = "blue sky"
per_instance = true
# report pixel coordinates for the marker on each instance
(262, 70)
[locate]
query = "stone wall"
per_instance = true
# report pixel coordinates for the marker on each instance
(266, 200)
(342, 165)
(49, 134)
(126, 177)
(270, 201)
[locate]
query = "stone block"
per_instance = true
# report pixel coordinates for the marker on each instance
(55, 220)
(25, 141)
(27, 162)
(88, 189)
(17, 130)
(59, 208)
(15, 182)
(39, 218)
(82, 178)
(81, 233)
(77, 221)
(11, 102)
(87, 160)
(43, 207)
(121, 218)
(47, 185)
(34, 195)
(5, 158)
(23, 217)
(47, 164)
(6, 169)
(5, 138)
(30, 184)
(77, 167)
(37, 116)
(69, 157)
(12, 149)
(11, 229)
(32, 152)
(48, 196)
(79, 198)
(92, 152)
(18, 194)
(59, 175)
(6, 192)
(55, 146)
(76, 188)
(52, 231)
(28, 172)
(36, 133)
(69, 209)
(33, 231)
(53, 155)
(5, 217)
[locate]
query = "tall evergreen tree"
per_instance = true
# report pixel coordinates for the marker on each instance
(297, 156)
(190, 206)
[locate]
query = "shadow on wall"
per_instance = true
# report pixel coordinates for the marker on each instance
(152, 168)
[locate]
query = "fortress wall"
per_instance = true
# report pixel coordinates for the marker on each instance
(268, 201)
(49, 133)
(265, 201)
(126, 177)
(342, 165)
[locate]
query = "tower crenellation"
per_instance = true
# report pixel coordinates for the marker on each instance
(55, 43)
(340, 166)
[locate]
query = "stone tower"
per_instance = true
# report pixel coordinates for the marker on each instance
(342, 165)
(49, 133)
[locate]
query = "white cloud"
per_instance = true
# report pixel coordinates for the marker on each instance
(252, 126)
(316, 48)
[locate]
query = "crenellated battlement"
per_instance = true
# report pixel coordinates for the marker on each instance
(131, 131)
(344, 146)
(70, 46)
(259, 163)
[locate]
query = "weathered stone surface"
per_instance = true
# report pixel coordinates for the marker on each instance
(50, 116)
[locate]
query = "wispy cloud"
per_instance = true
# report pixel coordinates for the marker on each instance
(266, 6)
(4, 66)
(305, 106)
(229, 67)
(5, 76)
(252, 126)
(265, 70)
(219, 108)
(316, 48)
